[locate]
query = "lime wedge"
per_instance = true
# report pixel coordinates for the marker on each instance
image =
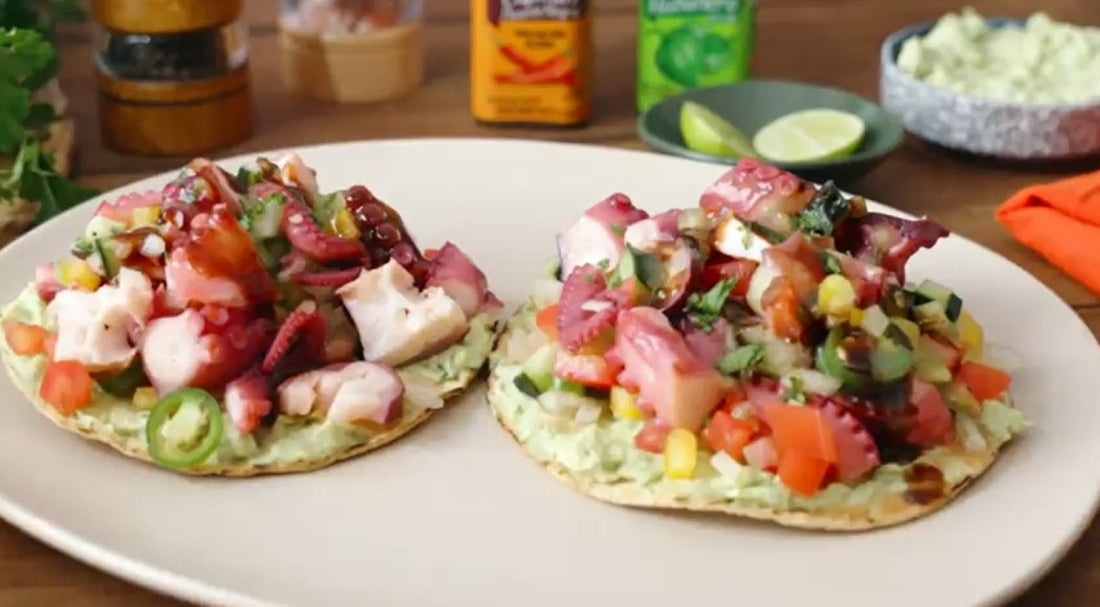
(810, 136)
(707, 133)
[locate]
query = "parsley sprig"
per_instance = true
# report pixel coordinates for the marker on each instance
(27, 62)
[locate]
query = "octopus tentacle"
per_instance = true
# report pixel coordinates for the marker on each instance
(306, 236)
(328, 278)
(305, 321)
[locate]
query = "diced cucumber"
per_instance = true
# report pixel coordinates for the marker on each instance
(643, 266)
(101, 227)
(874, 321)
(539, 368)
(931, 316)
(83, 247)
(108, 255)
(890, 361)
(907, 328)
(933, 291)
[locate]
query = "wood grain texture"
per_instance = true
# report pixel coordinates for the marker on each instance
(833, 42)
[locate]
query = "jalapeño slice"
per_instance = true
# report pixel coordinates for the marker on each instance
(180, 410)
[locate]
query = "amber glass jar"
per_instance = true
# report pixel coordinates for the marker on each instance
(172, 75)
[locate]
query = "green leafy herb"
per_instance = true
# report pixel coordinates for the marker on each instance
(795, 394)
(704, 309)
(827, 209)
(617, 229)
(743, 358)
(27, 62)
(831, 263)
(636, 264)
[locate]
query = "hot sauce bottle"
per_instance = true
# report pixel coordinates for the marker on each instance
(530, 62)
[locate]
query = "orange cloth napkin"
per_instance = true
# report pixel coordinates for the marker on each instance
(1061, 222)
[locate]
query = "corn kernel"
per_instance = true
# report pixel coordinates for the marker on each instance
(76, 273)
(624, 405)
(970, 332)
(856, 317)
(681, 451)
(145, 216)
(144, 398)
(836, 296)
(343, 225)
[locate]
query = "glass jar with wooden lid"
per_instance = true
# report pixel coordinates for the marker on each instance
(351, 50)
(172, 75)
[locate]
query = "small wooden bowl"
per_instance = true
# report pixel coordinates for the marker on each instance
(353, 68)
(175, 118)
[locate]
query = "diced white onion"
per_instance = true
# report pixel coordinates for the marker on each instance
(814, 382)
(152, 246)
(595, 306)
(725, 465)
(758, 284)
(587, 414)
(874, 321)
(547, 291)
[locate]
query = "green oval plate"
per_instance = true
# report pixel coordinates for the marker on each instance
(751, 104)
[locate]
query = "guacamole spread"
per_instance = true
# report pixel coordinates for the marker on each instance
(291, 440)
(1043, 62)
(605, 452)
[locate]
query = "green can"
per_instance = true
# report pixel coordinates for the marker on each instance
(689, 44)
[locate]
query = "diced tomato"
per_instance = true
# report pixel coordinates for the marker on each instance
(801, 473)
(590, 370)
(984, 381)
(733, 398)
(802, 429)
(25, 339)
(721, 267)
(781, 306)
(760, 454)
(651, 437)
(727, 434)
(66, 386)
(546, 321)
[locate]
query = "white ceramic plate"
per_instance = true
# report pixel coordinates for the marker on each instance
(455, 514)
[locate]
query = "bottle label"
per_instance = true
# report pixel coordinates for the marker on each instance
(688, 44)
(530, 61)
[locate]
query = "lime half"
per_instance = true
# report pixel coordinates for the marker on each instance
(810, 136)
(707, 133)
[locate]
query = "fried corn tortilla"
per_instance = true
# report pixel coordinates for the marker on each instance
(600, 460)
(293, 444)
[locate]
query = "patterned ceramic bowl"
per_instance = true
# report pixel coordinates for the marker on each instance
(981, 126)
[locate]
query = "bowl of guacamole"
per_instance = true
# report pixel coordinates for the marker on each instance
(1015, 89)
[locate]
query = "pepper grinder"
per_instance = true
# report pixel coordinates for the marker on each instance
(172, 75)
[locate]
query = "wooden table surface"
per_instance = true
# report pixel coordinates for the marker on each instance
(833, 42)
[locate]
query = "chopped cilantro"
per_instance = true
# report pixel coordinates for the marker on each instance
(767, 233)
(617, 229)
(704, 309)
(832, 264)
(827, 209)
(744, 358)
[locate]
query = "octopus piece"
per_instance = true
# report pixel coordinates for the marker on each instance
(94, 328)
(201, 348)
(709, 346)
(327, 278)
(294, 173)
(670, 380)
(888, 240)
(122, 210)
(659, 236)
(587, 308)
(45, 282)
(395, 321)
(248, 399)
(220, 182)
(759, 193)
(346, 393)
(453, 272)
(218, 265)
(300, 340)
(597, 237)
(307, 237)
(856, 451)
